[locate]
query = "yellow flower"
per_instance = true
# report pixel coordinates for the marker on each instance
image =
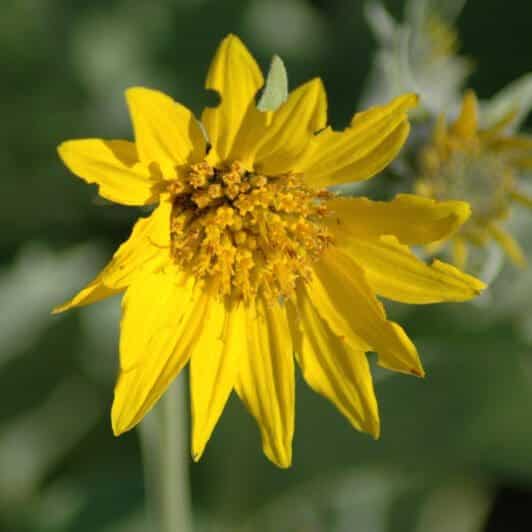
(480, 166)
(247, 259)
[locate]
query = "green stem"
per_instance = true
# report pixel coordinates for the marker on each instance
(165, 453)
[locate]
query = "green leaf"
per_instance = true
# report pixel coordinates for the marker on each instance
(276, 87)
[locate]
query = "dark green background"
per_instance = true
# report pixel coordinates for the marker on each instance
(64, 68)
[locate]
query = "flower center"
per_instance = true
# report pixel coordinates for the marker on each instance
(442, 37)
(246, 231)
(476, 176)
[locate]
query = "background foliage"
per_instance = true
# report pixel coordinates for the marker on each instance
(456, 449)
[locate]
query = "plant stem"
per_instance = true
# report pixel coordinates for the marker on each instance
(165, 452)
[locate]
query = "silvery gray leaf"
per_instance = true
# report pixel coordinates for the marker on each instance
(276, 87)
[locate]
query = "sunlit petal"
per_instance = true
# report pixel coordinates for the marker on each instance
(114, 166)
(266, 378)
(236, 77)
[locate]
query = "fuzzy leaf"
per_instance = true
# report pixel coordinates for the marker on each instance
(276, 87)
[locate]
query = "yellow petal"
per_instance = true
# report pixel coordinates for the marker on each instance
(235, 75)
(371, 142)
(347, 303)
(213, 368)
(516, 149)
(163, 315)
(521, 197)
(95, 291)
(466, 124)
(412, 219)
(166, 132)
(292, 127)
(331, 367)
(394, 272)
(266, 378)
(146, 250)
(440, 132)
(113, 165)
(508, 244)
(460, 252)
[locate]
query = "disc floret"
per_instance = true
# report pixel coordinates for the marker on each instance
(247, 231)
(471, 173)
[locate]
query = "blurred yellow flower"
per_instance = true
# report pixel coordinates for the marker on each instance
(480, 166)
(247, 259)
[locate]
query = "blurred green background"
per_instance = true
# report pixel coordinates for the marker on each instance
(456, 450)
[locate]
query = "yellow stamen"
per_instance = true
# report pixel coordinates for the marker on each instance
(250, 231)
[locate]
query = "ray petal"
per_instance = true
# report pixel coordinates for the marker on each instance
(359, 152)
(394, 272)
(162, 317)
(331, 367)
(266, 381)
(214, 367)
(114, 166)
(346, 301)
(166, 132)
(412, 219)
(236, 77)
(146, 250)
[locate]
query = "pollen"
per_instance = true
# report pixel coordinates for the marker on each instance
(250, 233)
(475, 175)
(443, 38)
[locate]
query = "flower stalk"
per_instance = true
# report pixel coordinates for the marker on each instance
(165, 454)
